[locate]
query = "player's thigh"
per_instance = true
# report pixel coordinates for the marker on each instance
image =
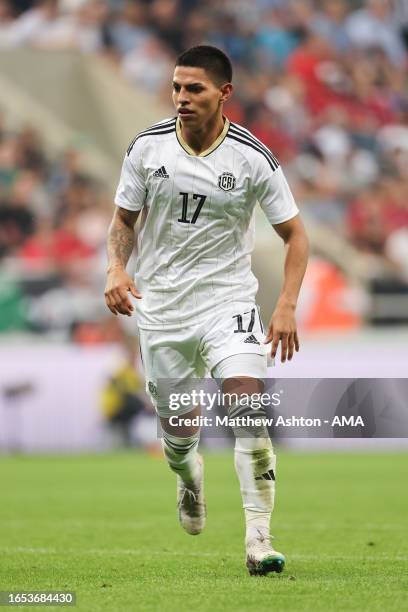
(170, 358)
(232, 345)
(249, 370)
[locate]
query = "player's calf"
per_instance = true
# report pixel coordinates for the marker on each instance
(184, 460)
(181, 454)
(191, 502)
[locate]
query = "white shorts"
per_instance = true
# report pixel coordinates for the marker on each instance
(195, 351)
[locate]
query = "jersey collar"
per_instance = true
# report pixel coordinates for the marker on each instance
(210, 149)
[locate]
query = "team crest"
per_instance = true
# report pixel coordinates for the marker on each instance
(152, 389)
(226, 181)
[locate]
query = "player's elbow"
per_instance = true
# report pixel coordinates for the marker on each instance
(300, 240)
(301, 237)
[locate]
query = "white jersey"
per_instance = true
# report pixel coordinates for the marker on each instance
(197, 233)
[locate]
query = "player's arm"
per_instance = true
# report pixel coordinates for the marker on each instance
(130, 197)
(121, 237)
(282, 327)
(279, 206)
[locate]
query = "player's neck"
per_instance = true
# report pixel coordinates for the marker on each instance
(201, 139)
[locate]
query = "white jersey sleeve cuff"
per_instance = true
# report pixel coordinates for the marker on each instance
(123, 204)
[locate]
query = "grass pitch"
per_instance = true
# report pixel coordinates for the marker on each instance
(106, 527)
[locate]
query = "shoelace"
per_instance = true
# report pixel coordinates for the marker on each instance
(189, 502)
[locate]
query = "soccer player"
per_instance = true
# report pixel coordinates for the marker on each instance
(195, 179)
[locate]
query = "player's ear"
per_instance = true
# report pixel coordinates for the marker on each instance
(226, 91)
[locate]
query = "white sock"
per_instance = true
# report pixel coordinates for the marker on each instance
(255, 464)
(256, 523)
(182, 456)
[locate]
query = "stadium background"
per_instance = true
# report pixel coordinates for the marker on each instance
(324, 84)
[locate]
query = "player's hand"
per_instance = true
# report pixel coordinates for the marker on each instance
(118, 285)
(282, 328)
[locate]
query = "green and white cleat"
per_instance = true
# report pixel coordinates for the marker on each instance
(191, 503)
(261, 557)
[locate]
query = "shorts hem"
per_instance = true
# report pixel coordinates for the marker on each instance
(166, 413)
(244, 352)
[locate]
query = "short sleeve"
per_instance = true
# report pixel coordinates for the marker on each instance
(131, 191)
(273, 193)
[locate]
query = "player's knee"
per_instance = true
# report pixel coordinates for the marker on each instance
(182, 425)
(249, 420)
(253, 446)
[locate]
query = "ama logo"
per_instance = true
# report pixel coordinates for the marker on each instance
(344, 421)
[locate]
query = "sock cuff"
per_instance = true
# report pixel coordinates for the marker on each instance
(244, 409)
(177, 443)
(247, 446)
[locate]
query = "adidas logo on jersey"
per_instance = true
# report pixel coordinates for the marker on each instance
(161, 173)
(251, 340)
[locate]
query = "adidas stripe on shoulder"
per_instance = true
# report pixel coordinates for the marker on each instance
(245, 137)
(163, 127)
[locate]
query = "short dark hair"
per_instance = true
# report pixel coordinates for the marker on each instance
(212, 60)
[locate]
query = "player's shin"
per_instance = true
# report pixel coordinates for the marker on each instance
(255, 464)
(182, 457)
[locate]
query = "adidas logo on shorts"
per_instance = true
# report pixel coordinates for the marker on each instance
(251, 340)
(161, 173)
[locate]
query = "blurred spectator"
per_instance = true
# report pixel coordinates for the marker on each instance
(129, 31)
(20, 6)
(91, 27)
(368, 220)
(53, 222)
(286, 98)
(165, 15)
(7, 15)
(373, 26)
(127, 410)
(329, 23)
(273, 41)
(16, 224)
(401, 19)
(150, 53)
(396, 249)
(312, 62)
(42, 25)
(235, 40)
(47, 27)
(198, 25)
(266, 127)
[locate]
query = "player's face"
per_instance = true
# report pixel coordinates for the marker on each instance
(196, 97)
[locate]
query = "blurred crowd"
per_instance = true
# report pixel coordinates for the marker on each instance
(323, 83)
(53, 221)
